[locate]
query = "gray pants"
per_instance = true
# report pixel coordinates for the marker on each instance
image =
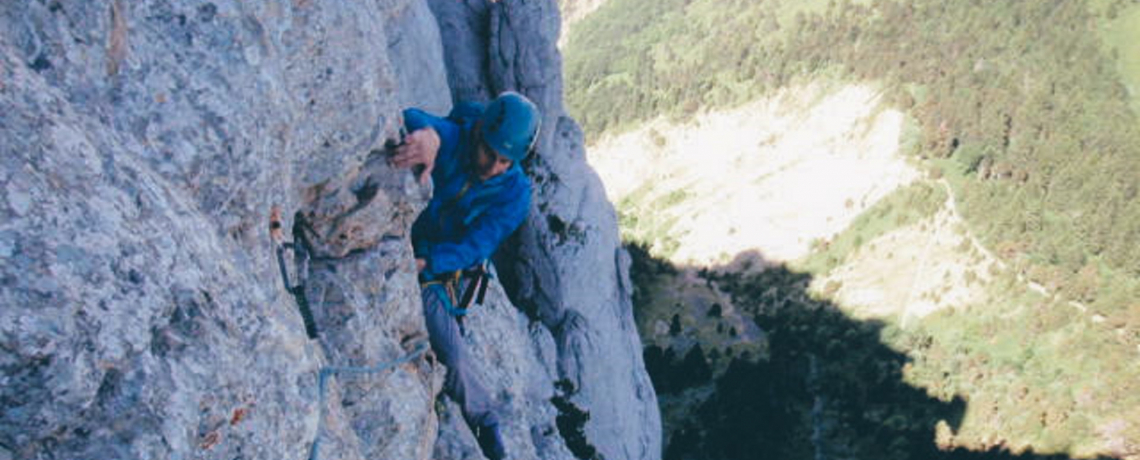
(463, 384)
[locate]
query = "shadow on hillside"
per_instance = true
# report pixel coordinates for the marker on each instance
(829, 387)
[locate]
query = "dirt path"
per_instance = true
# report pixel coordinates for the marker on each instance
(919, 269)
(913, 271)
(977, 245)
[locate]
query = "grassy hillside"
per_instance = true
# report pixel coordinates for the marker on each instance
(1021, 94)
(1027, 108)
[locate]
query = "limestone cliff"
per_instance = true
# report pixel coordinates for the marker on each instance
(141, 311)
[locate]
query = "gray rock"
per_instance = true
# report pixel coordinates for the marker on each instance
(417, 58)
(143, 314)
(455, 441)
(144, 144)
(464, 26)
(567, 267)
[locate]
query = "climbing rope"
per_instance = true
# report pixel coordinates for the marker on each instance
(329, 371)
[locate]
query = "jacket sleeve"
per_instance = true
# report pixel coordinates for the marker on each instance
(483, 236)
(416, 119)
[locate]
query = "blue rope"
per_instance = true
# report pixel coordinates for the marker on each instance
(329, 371)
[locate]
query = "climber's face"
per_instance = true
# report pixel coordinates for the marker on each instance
(489, 164)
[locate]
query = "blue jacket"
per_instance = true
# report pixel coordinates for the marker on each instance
(467, 218)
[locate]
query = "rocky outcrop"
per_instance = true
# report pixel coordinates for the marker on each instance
(566, 267)
(142, 314)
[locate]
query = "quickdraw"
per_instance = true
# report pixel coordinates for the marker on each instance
(301, 250)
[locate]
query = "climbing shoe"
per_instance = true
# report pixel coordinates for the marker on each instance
(490, 442)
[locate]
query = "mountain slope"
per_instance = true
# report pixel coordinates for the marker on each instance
(775, 175)
(144, 313)
(1026, 307)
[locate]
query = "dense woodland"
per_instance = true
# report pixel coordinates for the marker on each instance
(1021, 105)
(1021, 95)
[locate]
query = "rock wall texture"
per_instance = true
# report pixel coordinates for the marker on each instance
(566, 266)
(141, 311)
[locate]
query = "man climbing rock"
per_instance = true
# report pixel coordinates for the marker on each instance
(481, 196)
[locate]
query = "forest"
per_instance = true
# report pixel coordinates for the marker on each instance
(1022, 96)
(1026, 108)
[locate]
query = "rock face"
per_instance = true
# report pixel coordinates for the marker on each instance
(142, 314)
(566, 267)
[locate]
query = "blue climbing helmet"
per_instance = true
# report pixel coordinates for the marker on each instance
(510, 125)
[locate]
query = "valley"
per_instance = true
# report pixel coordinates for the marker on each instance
(854, 239)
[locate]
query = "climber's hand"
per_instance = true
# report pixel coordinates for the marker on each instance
(420, 265)
(419, 148)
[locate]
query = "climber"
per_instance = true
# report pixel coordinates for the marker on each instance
(481, 196)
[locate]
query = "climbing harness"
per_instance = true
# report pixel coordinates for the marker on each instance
(480, 278)
(329, 371)
(301, 248)
(476, 289)
(448, 286)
